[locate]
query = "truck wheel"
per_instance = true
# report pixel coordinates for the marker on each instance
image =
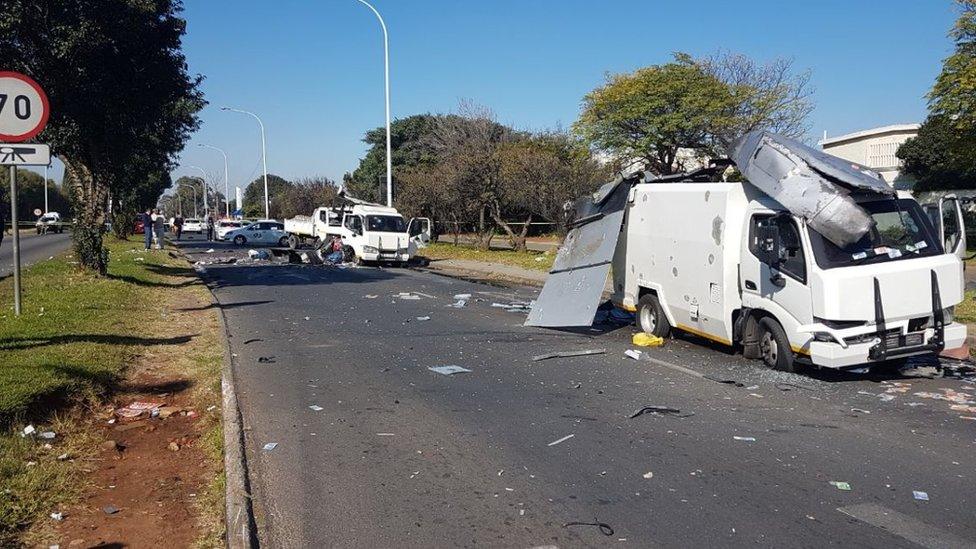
(774, 347)
(651, 317)
(291, 241)
(240, 240)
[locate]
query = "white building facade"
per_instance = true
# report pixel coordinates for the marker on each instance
(875, 148)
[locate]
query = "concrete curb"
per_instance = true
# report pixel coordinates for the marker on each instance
(239, 513)
(492, 278)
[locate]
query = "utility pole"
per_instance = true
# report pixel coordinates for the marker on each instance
(264, 158)
(386, 72)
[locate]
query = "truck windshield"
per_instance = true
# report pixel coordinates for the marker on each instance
(901, 231)
(385, 224)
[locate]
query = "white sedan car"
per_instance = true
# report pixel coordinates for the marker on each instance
(192, 225)
(224, 226)
(267, 233)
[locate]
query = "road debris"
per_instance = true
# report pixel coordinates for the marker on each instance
(409, 296)
(316, 408)
(648, 475)
(252, 340)
(724, 381)
(28, 431)
(859, 411)
(370, 296)
(269, 446)
(920, 496)
(266, 360)
(423, 318)
(385, 434)
(744, 439)
(561, 440)
(634, 354)
(661, 410)
(605, 528)
(841, 485)
(47, 435)
(566, 354)
(138, 408)
(57, 516)
(110, 509)
(261, 255)
(885, 397)
(448, 370)
(647, 340)
(462, 296)
(459, 304)
(173, 447)
(210, 251)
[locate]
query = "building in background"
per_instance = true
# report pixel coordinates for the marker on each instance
(875, 148)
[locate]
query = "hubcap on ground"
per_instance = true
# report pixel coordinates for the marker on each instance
(767, 346)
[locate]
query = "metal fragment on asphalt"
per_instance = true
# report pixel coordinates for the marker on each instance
(566, 354)
(564, 439)
(634, 354)
(921, 496)
(316, 408)
(270, 446)
(841, 485)
(745, 439)
(448, 370)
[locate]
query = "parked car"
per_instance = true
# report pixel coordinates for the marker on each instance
(193, 225)
(49, 223)
(268, 233)
(226, 225)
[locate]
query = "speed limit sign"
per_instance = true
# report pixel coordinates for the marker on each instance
(24, 108)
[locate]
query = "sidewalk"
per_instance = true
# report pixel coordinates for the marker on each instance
(482, 271)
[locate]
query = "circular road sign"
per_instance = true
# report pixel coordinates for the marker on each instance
(24, 108)
(37, 211)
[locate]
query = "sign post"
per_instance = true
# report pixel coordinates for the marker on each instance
(24, 110)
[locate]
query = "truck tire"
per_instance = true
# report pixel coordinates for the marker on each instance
(774, 346)
(651, 317)
(291, 241)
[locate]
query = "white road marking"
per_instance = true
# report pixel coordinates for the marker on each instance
(681, 369)
(905, 527)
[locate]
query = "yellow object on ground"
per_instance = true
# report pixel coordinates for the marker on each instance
(647, 340)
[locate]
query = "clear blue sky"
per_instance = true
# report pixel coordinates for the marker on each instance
(313, 68)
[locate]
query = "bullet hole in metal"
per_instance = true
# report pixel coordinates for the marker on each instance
(711, 258)
(674, 271)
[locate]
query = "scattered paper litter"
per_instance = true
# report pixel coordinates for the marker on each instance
(57, 516)
(316, 408)
(423, 318)
(649, 475)
(459, 304)
(385, 434)
(632, 353)
(921, 496)
(210, 251)
(564, 439)
(462, 296)
(841, 485)
(48, 435)
(270, 446)
(745, 439)
(448, 370)
(370, 296)
(28, 431)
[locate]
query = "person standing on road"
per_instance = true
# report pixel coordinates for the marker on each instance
(147, 226)
(178, 226)
(159, 227)
(210, 228)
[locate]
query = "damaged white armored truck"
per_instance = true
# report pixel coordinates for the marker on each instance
(813, 260)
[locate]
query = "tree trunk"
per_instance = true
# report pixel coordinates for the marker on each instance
(517, 240)
(89, 197)
(485, 231)
(457, 229)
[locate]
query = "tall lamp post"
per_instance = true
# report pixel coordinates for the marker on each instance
(203, 183)
(264, 157)
(386, 72)
(46, 208)
(226, 185)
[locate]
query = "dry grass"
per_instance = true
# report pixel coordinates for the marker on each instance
(535, 261)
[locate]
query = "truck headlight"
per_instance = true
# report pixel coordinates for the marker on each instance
(948, 314)
(823, 337)
(370, 250)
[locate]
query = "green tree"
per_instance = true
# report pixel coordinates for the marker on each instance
(278, 187)
(937, 158)
(953, 97)
(649, 115)
(408, 142)
(30, 195)
(119, 89)
(306, 194)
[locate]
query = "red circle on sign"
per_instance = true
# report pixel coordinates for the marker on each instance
(44, 103)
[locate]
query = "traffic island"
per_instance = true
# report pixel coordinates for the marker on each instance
(76, 469)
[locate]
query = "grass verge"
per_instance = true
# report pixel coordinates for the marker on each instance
(72, 346)
(535, 261)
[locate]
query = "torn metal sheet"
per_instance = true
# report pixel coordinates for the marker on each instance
(810, 183)
(575, 284)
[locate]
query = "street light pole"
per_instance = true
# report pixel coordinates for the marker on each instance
(203, 183)
(386, 72)
(264, 157)
(226, 185)
(46, 208)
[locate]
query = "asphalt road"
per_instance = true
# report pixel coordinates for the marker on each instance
(33, 248)
(400, 456)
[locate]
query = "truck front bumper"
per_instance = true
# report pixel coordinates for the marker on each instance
(833, 355)
(386, 256)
